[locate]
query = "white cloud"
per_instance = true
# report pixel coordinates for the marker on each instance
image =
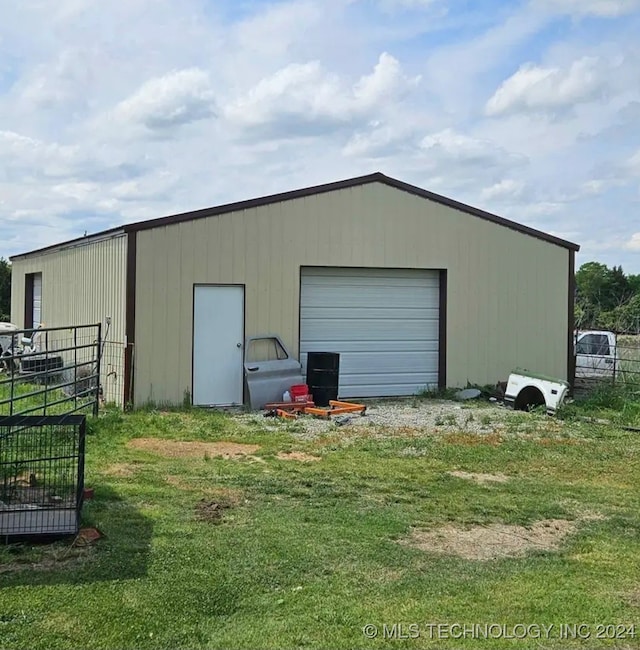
(172, 100)
(538, 209)
(633, 244)
(303, 97)
(633, 164)
(536, 88)
(387, 81)
(381, 140)
(600, 8)
(409, 4)
(505, 189)
(24, 155)
(59, 83)
(597, 186)
(453, 147)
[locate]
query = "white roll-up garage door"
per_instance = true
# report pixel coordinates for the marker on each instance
(384, 323)
(37, 299)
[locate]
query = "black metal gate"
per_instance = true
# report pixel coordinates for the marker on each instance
(50, 370)
(41, 474)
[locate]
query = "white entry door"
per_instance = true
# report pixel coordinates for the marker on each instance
(218, 332)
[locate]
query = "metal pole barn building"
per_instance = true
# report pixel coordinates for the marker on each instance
(413, 289)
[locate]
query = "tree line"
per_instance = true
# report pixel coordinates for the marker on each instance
(607, 299)
(5, 290)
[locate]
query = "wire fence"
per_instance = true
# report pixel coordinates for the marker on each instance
(603, 359)
(112, 373)
(51, 371)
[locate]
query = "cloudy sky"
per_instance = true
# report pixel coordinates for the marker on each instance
(113, 112)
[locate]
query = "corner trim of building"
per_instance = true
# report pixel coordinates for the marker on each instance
(130, 317)
(571, 360)
(442, 331)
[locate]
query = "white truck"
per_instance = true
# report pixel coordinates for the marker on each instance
(596, 354)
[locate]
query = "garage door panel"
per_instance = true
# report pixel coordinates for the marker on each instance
(37, 300)
(383, 322)
(359, 313)
(371, 379)
(347, 276)
(345, 296)
(398, 388)
(393, 362)
(354, 274)
(373, 330)
(345, 347)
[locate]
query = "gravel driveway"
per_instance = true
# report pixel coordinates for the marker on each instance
(411, 417)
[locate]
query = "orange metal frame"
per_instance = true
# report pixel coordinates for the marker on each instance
(290, 410)
(336, 408)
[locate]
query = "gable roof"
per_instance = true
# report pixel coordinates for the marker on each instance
(376, 177)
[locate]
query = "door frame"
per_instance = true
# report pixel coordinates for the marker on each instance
(244, 326)
(442, 306)
(29, 295)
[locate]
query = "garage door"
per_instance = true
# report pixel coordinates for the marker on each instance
(37, 299)
(384, 323)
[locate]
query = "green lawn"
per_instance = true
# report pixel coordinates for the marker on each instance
(37, 399)
(305, 554)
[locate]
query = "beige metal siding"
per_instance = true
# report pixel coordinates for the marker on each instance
(81, 285)
(507, 291)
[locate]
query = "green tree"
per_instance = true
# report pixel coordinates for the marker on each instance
(634, 283)
(607, 298)
(592, 286)
(619, 290)
(5, 290)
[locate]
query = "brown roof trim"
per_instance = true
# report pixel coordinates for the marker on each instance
(70, 243)
(376, 177)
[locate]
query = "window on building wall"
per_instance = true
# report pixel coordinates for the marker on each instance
(33, 300)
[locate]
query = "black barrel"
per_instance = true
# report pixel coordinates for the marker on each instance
(323, 373)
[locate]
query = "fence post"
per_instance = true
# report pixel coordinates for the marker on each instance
(12, 361)
(82, 437)
(96, 403)
(46, 372)
(75, 368)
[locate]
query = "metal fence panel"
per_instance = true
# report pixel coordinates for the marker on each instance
(600, 364)
(51, 371)
(41, 474)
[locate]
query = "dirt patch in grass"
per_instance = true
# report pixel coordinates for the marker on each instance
(180, 448)
(633, 598)
(548, 442)
(471, 439)
(481, 479)
(52, 558)
(492, 541)
(123, 470)
(212, 510)
(300, 456)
